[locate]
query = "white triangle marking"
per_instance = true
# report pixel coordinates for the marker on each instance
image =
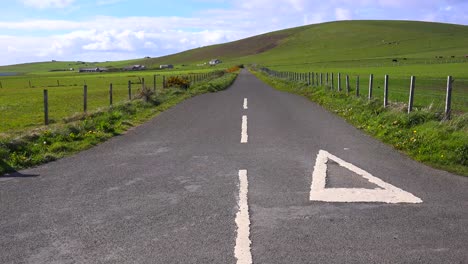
(388, 193)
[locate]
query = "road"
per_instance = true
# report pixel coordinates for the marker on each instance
(226, 178)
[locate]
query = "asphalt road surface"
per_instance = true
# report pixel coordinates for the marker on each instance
(227, 178)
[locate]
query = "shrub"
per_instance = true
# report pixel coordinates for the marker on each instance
(145, 93)
(177, 81)
(233, 69)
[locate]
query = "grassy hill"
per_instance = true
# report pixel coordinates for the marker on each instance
(340, 43)
(333, 44)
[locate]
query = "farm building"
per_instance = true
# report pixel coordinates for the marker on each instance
(214, 61)
(166, 66)
(97, 69)
(135, 68)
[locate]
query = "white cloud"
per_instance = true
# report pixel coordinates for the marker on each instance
(342, 14)
(48, 3)
(106, 38)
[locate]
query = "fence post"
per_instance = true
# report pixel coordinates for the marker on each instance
(385, 99)
(332, 87)
(154, 83)
(58, 83)
(339, 82)
(85, 98)
(411, 95)
(110, 94)
(448, 98)
(1, 86)
(46, 107)
(129, 90)
(357, 86)
(347, 84)
(326, 80)
(164, 81)
(317, 78)
(371, 84)
(321, 79)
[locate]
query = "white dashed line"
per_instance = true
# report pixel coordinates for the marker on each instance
(244, 136)
(245, 104)
(242, 248)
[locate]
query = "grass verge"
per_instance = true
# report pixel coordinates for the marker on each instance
(83, 131)
(422, 134)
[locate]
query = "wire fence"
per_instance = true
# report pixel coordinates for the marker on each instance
(23, 100)
(446, 96)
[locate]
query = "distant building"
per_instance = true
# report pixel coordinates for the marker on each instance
(135, 68)
(95, 69)
(214, 61)
(166, 66)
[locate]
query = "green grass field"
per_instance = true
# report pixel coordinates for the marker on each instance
(429, 51)
(21, 105)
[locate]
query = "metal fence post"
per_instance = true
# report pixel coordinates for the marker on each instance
(371, 84)
(411, 95)
(448, 98)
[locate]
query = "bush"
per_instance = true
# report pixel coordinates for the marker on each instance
(177, 81)
(145, 94)
(233, 69)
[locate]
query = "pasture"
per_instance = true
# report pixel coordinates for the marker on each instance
(21, 97)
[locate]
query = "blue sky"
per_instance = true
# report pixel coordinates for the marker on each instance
(102, 30)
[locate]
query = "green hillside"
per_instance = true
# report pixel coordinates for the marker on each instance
(333, 44)
(341, 43)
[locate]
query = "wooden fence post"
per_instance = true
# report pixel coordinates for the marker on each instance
(129, 90)
(448, 98)
(164, 81)
(347, 84)
(332, 87)
(58, 83)
(85, 98)
(321, 79)
(339, 82)
(357, 86)
(326, 80)
(110, 94)
(385, 100)
(371, 84)
(46, 107)
(317, 79)
(411, 95)
(154, 83)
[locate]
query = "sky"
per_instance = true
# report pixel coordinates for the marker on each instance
(107, 30)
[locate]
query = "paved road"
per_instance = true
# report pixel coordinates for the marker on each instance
(168, 192)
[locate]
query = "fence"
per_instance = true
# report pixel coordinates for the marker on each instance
(32, 102)
(447, 96)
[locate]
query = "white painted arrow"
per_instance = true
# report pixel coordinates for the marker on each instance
(388, 193)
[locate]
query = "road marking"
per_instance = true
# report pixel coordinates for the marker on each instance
(242, 248)
(245, 103)
(244, 136)
(388, 193)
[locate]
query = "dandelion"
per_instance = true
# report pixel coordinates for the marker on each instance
(414, 131)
